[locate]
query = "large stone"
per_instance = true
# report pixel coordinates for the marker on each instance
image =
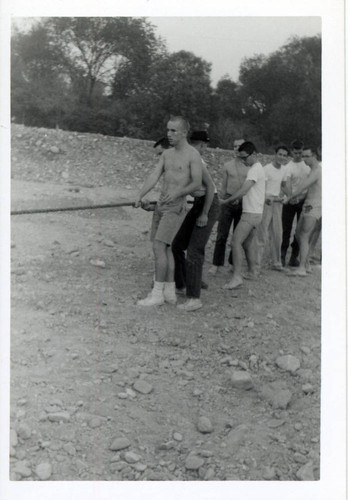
(131, 458)
(193, 462)
(62, 416)
(288, 363)
(281, 399)
(204, 425)
(143, 387)
(43, 471)
(22, 469)
(305, 473)
(241, 380)
(120, 443)
(24, 431)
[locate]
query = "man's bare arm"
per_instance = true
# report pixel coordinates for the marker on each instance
(209, 195)
(240, 193)
(311, 179)
(224, 181)
(151, 181)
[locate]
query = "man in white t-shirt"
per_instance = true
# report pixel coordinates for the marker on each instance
(253, 194)
(272, 210)
(295, 173)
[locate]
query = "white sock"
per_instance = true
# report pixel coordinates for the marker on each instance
(158, 287)
(169, 287)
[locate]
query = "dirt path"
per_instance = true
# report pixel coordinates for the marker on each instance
(104, 390)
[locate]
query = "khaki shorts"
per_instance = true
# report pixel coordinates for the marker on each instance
(253, 219)
(309, 211)
(166, 223)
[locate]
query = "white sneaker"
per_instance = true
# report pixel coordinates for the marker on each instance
(151, 300)
(191, 305)
(170, 298)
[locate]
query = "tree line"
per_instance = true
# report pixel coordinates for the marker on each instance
(114, 76)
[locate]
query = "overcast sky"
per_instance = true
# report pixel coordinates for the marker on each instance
(225, 41)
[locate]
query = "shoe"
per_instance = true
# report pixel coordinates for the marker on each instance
(233, 285)
(251, 277)
(151, 300)
(170, 298)
(191, 305)
(293, 262)
(213, 270)
(181, 291)
(204, 285)
(277, 267)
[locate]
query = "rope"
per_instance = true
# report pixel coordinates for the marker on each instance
(84, 207)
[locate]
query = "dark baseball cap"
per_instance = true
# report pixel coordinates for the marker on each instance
(199, 135)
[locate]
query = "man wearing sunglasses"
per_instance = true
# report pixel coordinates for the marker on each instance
(252, 193)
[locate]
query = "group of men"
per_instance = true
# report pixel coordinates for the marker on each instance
(260, 202)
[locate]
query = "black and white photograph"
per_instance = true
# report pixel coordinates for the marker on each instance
(174, 274)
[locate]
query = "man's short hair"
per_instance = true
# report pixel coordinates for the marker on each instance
(247, 147)
(162, 142)
(297, 144)
(199, 136)
(282, 147)
(184, 123)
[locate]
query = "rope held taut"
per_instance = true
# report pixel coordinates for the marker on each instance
(83, 207)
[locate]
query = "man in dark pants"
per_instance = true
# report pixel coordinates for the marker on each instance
(194, 233)
(295, 173)
(234, 174)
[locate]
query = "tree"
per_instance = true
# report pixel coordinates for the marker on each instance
(281, 94)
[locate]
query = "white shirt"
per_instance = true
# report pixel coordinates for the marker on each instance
(274, 177)
(254, 199)
(297, 172)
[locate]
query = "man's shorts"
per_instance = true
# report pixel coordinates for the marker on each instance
(253, 219)
(309, 211)
(166, 223)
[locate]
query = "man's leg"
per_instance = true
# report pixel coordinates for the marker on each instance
(295, 248)
(305, 228)
(249, 246)
(262, 233)
(179, 245)
(288, 215)
(239, 236)
(223, 229)
(236, 214)
(156, 296)
(195, 258)
(276, 234)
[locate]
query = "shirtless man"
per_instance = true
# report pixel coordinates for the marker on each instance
(234, 174)
(181, 169)
(311, 212)
(194, 233)
(253, 194)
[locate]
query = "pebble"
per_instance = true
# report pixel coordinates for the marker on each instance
(193, 462)
(206, 453)
(204, 425)
(305, 374)
(273, 424)
(177, 436)
(131, 458)
(305, 349)
(21, 454)
(209, 474)
(117, 466)
(197, 392)
(143, 387)
(95, 422)
(24, 431)
(235, 362)
(69, 449)
(97, 263)
(288, 363)
(299, 458)
(169, 445)
(298, 426)
(241, 380)
(120, 444)
(253, 363)
(22, 469)
(43, 471)
(236, 436)
(13, 438)
(308, 388)
(268, 473)
(132, 394)
(59, 417)
(139, 467)
(109, 243)
(122, 395)
(54, 149)
(305, 473)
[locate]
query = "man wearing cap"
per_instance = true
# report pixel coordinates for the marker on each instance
(181, 169)
(194, 233)
(234, 174)
(253, 194)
